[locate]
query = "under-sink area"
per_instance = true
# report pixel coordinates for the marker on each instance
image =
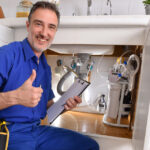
(99, 36)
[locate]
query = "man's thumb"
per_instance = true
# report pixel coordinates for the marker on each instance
(32, 76)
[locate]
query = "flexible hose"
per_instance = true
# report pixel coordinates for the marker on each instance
(63, 79)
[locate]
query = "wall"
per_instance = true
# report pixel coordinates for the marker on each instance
(99, 7)
(79, 7)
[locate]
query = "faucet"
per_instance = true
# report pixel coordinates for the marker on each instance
(110, 5)
(89, 7)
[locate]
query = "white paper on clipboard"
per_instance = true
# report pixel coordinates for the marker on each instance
(76, 89)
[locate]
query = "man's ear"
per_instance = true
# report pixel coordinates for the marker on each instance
(27, 25)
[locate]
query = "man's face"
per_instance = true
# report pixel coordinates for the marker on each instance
(41, 29)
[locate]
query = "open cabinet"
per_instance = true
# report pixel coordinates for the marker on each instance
(99, 33)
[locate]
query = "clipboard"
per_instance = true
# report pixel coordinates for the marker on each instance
(57, 108)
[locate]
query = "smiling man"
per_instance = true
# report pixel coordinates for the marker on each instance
(41, 28)
(25, 88)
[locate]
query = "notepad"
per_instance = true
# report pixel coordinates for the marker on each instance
(57, 108)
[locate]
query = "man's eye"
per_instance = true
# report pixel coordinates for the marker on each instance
(52, 27)
(38, 24)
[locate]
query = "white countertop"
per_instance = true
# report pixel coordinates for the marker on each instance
(92, 33)
(88, 21)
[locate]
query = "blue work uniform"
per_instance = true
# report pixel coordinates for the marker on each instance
(17, 60)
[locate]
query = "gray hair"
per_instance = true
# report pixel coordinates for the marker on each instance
(44, 5)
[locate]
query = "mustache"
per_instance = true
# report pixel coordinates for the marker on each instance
(42, 37)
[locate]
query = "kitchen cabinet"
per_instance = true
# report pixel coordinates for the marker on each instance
(98, 35)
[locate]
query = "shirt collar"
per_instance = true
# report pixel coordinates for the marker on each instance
(27, 49)
(28, 52)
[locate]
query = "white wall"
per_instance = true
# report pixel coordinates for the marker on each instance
(10, 7)
(119, 7)
(79, 7)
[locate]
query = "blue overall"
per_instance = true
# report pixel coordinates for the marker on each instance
(17, 61)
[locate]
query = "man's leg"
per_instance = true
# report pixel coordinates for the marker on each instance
(21, 137)
(63, 139)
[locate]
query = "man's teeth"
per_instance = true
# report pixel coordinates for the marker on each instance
(43, 40)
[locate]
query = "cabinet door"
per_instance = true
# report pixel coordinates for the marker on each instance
(147, 137)
(6, 35)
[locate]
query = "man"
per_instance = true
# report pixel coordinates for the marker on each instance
(25, 88)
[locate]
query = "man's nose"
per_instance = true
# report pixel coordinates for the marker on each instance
(44, 31)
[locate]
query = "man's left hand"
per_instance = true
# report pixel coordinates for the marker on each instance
(72, 103)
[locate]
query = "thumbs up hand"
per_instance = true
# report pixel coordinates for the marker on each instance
(30, 80)
(28, 95)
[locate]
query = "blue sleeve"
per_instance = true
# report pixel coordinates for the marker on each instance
(6, 63)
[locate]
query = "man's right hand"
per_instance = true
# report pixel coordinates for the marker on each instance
(28, 95)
